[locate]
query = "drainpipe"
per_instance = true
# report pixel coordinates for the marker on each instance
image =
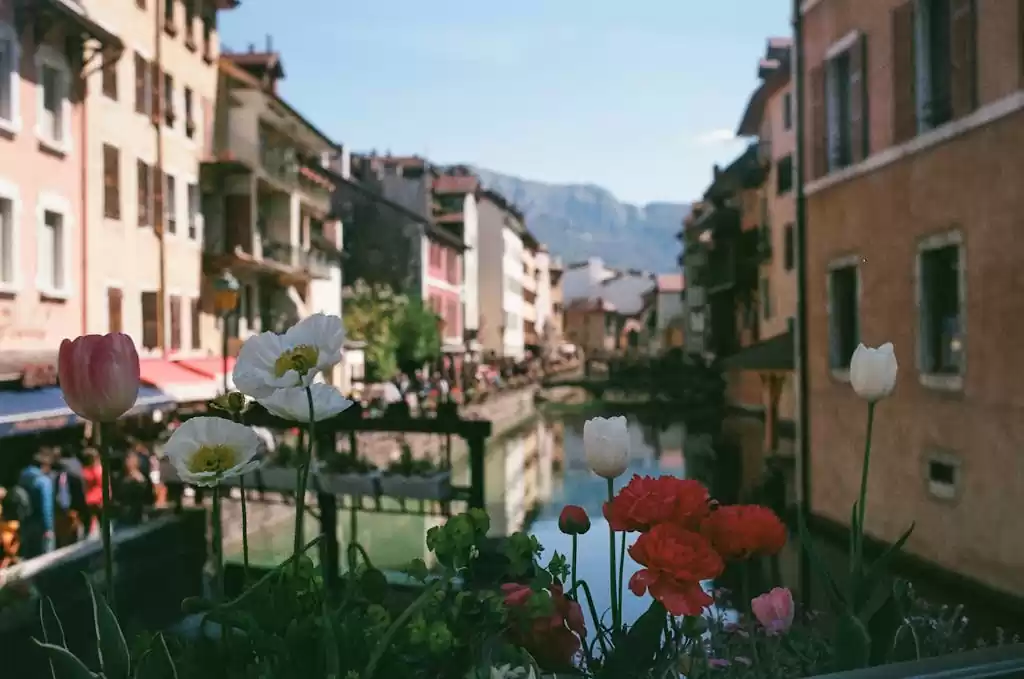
(84, 189)
(158, 188)
(803, 397)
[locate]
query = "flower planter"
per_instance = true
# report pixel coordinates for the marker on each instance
(355, 483)
(280, 479)
(435, 486)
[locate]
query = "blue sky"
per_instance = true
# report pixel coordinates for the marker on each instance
(638, 96)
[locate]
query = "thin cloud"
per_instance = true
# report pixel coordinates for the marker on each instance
(715, 137)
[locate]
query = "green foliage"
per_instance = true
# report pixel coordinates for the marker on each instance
(419, 339)
(407, 465)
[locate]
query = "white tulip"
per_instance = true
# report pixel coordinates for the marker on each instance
(873, 372)
(205, 450)
(268, 361)
(606, 445)
(293, 404)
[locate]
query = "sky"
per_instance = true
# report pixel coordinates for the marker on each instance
(638, 96)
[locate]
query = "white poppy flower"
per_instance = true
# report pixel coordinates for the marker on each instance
(873, 371)
(268, 361)
(205, 450)
(606, 445)
(293, 404)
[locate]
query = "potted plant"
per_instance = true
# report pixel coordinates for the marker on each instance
(347, 474)
(415, 479)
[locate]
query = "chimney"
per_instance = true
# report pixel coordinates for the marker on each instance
(270, 44)
(252, 47)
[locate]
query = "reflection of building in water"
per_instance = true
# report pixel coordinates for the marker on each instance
(670, 443)
(545, 457)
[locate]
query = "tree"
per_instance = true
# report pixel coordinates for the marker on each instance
(369, 315)
(417, 334)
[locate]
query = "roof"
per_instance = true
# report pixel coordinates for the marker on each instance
(270, 61)
(236, 72)
(447, 184)
(671, 282)
(502, 202)
(774, 71)
(774, 354)
(450, 218)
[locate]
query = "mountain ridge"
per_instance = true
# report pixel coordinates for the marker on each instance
(581, 220)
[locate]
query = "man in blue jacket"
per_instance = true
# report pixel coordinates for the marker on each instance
(37, 536)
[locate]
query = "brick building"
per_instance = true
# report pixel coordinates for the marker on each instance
(915, 126)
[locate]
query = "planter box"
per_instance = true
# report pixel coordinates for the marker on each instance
(355, 484)
(433, 487)
(280, 479)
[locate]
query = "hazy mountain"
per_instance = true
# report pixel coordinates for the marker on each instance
(578, 221)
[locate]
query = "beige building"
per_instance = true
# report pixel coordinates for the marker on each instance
(148, 118)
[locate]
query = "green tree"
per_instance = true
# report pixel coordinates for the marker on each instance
(417, 334)
(369, 315)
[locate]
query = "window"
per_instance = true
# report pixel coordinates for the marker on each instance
(170, 204)
(141, 4)
(787, 111)
(844, 323)
(943, 474)
(193, 211)
(169, 17)
(789, 248)
(111, 182)
(9, 52)
(766, 299)
(150, 334)
(174, 302)
(169, 99)
(109, 78)
(54, 124)
(190, 17)
(190, 123)
(52, 257)
(784, 175)
(145, 185)
(839, 111)
(156, 80)
(838, 103)
(209, 25)
(142, 84)
(8, 256)
(115, 301)
(195, 323)
(940, 310)
(933, 66)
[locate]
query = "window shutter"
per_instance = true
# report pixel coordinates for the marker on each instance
(111, 182)
(819, 122)
(156, 186)
(175, 304)
(114, 301)
(140, 83)
(904, 100)
(859, 129)
(963, 58)
(143, 193)
(155, 91)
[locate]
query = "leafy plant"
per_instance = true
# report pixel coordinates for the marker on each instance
(407, 465)
(346, 463)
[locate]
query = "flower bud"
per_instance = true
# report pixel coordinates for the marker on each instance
(606, 445)
(573, 520)
(774, 610)
(873, 372)
(99, 375)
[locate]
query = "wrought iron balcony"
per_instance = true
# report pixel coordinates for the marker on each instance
(282, 253)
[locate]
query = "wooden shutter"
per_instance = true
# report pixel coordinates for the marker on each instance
(196, 324)
(819, 122)
(140, 83)
(143, 193)
(111, 182)
(175, 304)
(155, 92)
(150, 339)
(904, 74)
(963, 58)
(859, 129)
(114, 301)
(156, 186)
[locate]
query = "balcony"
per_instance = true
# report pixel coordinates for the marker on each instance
(318, 263)
(283, 253)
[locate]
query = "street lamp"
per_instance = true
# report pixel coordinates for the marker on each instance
(225, 299)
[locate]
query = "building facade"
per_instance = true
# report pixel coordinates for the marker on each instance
(915, 118)
(455, 209)
(501, 225)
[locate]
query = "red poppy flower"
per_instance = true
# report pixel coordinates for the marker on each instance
(515, 594)
(573, 520)
(742, 531)
(645, 502)
(553, 640)
(676, 561)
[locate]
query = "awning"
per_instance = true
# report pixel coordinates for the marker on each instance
(211, 368)
(774, 354)
(30, 410)
(185, 385)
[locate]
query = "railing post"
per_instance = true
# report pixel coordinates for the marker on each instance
(328, 505)
(477, 453)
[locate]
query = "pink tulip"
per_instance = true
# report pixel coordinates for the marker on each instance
(99, 375)
(774, 610)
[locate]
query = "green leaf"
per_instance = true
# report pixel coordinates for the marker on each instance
(330, 642)
(852, 644)
(638, 647)
(64, 665)
(835, 595)
(115, 661)
(156, 662)
(881, 564)
(53, 631)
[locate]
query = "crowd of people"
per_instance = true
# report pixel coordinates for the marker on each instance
(57, 499)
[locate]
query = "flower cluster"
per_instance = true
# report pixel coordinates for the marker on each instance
(547, 623)
(685, 538)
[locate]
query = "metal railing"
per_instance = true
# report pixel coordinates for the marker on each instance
(280, 252)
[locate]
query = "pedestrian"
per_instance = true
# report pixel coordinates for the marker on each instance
(133, 492)
(70, 496)
(92, 478)
(37, 534)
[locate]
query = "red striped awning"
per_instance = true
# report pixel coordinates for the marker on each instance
(208, 367)
(186, 386)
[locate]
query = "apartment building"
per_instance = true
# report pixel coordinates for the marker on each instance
(531, 336)
(43, 141)
(548, 330)
(455, 194)
(555, 325)
(267, 191)
(915, 125)
(502, 330)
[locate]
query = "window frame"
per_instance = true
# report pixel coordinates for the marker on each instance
(47, 56)
(113, 211)
(120, 289)
(172, 296)
(789, 246)
(9, 191)
(50, 202)
(194, 221)
(840, 372)
(143, 349)
(938, 241)
(110, 79)
(787, 111)
(9, 35)
(195, 324)
(170, 204)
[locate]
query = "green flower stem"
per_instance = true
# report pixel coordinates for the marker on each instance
(245, 533)
(273, 573)
(858, 545)
(611, 560)
(302, 475)
(421, 602)
(105, 532)
(622, 564)
(218, 545)
(593, 614)
(575, 539)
